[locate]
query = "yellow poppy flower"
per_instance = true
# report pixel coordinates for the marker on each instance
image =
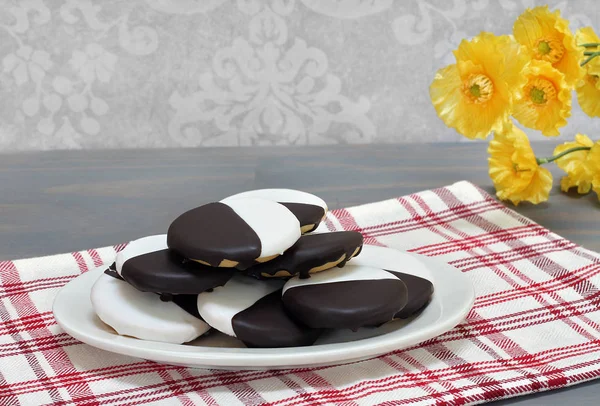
(588, 89)
(577, 165)
(588, 95)
(596, 184)
(594, 158)
(587, 35)
(475, 96)
(545, 103)
(514, 169)
(547, 37)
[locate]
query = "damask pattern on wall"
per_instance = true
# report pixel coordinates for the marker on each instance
(162, 73)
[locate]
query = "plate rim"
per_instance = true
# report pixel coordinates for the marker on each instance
(291, 357)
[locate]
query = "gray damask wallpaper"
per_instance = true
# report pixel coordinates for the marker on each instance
(162, 73)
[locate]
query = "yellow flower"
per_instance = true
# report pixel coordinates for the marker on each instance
(577, 165)
(588, 89)
(514, 168)
(587, 35)
(545, 103)
(594, 158)
(588, 95)
(475, 96)
(597, 185)
(547, 37)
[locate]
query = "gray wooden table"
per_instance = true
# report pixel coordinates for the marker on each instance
(55, 202)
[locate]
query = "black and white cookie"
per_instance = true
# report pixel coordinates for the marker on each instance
(312, 253)
(237, 233)
(410, 269)
(143, 315)
(252, 311)
(419, 291)
(348, 298)
(148, 265)
(308, 208)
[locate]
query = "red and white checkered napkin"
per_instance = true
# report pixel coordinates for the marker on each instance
(534, 327)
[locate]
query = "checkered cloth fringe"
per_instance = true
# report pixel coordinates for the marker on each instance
(534, 326)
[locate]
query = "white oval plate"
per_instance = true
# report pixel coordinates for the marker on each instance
(452, 299)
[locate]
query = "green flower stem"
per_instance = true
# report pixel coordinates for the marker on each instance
(542, 161)
(591, 45)
(592, 56)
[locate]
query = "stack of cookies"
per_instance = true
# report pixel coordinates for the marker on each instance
(250, 267)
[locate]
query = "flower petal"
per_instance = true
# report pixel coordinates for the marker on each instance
(588, 96)
(551, 114)
(514, 170)
(540, 24)
(494, 62)
(578, 165)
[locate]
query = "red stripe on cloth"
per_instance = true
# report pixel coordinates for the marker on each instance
(56, 358)
(119, 247)
(26, 323)
(174, 388)
(519, 252)
(80, 261)
(95, 257)
(245, 393)
(77, 378)
(451, 200)
(36, 285)
(260, 376)
(494, 259)
(436, 348)
(533, 317)
(329, 223)
(215, 379)
(10, 398)
(430, 374)
(419, 221)
(477, 241)
(206, 397)
(409, 380)
(348, 223)
(452, 213)
(432, 225)
(485, 224)
(314, 380)
(543, 263)
(37, 344)
(157, 391)
(25, 347)
(391, 361)
(293, 385)
(563, 281)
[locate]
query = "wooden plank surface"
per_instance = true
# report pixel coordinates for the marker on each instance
(67, 201)
(54, 202)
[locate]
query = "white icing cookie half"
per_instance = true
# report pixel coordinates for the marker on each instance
(142, 314)
(252, 311)
(219, 307)
(276, 227)
(308, 208)
(282, 196)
